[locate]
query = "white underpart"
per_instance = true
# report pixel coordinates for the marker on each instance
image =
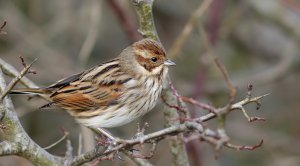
(105, 121)
(150, 94)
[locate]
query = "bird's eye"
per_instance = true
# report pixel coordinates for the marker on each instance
(153, 59)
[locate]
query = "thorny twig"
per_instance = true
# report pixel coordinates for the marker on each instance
(248, 97)
(24, 65)
(11, 71)
(16, 80)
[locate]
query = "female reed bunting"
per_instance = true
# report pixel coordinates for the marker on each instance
(113, 93)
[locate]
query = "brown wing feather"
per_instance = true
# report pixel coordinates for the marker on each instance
(99, 87)
(82, 96)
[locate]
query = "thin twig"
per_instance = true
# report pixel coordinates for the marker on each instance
(221, 67)
(79, 151)
(244, 147)
(16, 80)
(69, 147)
(24, 65)
(9, 70)
(66, 134)
(177, 45)
(89, 42)
(124, 19)
(198, 104)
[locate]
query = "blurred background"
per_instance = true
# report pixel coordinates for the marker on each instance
(258, 41)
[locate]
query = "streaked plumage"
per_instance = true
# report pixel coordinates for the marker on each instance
(113, 93)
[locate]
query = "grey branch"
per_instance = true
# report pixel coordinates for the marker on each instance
(16, 80)
(9, 70)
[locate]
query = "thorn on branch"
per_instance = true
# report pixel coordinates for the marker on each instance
(244, 147)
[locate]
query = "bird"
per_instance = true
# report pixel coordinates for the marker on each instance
(113, 93)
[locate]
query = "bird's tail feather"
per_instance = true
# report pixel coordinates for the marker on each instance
(29, 91)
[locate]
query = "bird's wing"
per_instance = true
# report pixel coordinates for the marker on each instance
(100, 86)
(83, 96)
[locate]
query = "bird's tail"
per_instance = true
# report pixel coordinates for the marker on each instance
(30, 91)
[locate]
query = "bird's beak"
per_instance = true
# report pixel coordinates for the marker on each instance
(168, 62)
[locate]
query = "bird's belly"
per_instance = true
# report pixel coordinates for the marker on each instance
(129, 108)
(117, 117)
(109, 119)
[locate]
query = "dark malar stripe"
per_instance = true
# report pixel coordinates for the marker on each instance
(106, 69)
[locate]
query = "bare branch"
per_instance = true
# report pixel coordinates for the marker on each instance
(124, 19)
(69, 151)
(244, 147)
(66, 134)
(79, 151)
(177, 45)
(24, 65)
(15, 80)
(13, 72)
(94, 22)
